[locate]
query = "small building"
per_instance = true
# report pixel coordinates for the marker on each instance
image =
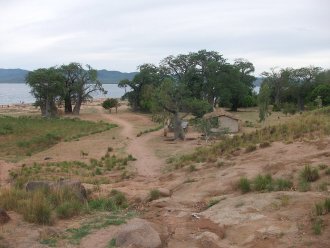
(226, 121)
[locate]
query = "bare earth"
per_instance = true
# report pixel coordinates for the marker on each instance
(276, 219)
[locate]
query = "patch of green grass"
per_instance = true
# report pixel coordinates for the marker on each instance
(303, 185)
(112, 243)
(149, 130)
(117, 200)
(76, 234)
(317, 226)
(213, 202)
(51, 242)
(154, 194)
(263, 183)
(21, 136)
(244, 185)
(327, 205)
(309, 174)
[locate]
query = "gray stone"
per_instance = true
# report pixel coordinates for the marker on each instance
(138, 233)
(73, 185)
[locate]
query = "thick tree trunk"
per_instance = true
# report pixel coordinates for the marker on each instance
(301, 105)
(234, 106)
(178, 130)
(68, 104)
(76, 109)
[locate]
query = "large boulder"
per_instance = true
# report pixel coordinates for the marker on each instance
(4, 217)
(36, 185)
(70, 184)
(138, 233)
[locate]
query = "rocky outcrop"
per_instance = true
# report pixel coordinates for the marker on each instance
(138, 233)
(74, 185)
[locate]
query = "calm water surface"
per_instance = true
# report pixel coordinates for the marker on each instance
(17, 93)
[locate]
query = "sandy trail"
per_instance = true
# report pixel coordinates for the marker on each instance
(147, 164)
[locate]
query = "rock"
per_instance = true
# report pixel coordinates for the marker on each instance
(74, 185)
(35, 185)
(164, 192)
(270, 231)
(208, 239)
(4, 217)
(138, 233)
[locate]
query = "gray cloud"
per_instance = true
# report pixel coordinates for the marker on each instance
(122, 34)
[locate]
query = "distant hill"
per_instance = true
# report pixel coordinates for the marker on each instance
(113, 77)
(13, 75)
(106, 77)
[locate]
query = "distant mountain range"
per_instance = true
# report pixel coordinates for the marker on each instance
(106, 77)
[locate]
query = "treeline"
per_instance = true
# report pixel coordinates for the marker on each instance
(70, 85)
(291, 90)
(203, 75)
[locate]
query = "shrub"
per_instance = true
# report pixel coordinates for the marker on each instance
(303, 185)
(264, 144)
(317, 226)
(251, 148)
(282, 184)
(244, 185)
(327, 205)
(310, 174)
(154, 194)
(263, 183)
(327, 171)
(119, 199)
(318, 209)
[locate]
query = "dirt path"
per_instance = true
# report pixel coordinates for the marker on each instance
(147, 164)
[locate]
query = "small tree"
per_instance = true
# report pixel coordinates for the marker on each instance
(110, 103)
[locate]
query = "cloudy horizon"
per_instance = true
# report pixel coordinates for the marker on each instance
(121, 35)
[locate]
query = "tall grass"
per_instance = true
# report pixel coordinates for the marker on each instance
(38, 206)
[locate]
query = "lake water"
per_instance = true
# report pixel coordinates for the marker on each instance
(16, 93)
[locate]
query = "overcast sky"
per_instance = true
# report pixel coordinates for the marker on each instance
(122, 34)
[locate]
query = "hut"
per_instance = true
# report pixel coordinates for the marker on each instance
(226, 121)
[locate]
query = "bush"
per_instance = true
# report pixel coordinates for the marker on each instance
(318, 209)
(244, 185)
(154, 194)
(119, 199)
(264, 144)
(282, 184)
(251, 148)
(303, 185)
(327, 171)
(310, 174)
(263, 183)
(317, 226)
(327, 205)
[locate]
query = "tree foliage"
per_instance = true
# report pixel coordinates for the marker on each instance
(71, 84)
